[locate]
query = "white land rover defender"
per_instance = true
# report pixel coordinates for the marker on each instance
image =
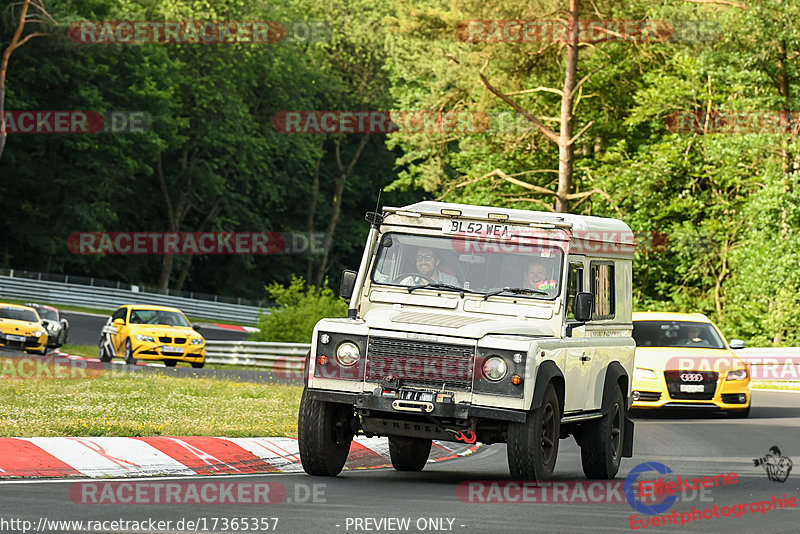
(473, 323)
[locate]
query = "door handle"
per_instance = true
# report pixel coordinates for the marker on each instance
(585, 358)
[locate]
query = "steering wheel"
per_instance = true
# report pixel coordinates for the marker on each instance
(401, 277)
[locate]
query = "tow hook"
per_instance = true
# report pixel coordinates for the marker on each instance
(469, 438)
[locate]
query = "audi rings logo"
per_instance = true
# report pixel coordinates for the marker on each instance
(691, 377)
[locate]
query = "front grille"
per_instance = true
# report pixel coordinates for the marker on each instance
(420, 363)
(674, 382)
(164, 339)
(180, 340)
(649, 396)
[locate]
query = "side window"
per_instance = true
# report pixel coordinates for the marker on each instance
(574, 286)
(119, 314)
(602, 279)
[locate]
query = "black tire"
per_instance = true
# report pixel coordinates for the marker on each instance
(129, 359)
(740, 414)
(324, 435)
(533, 445)
(103, 353)
(198, 365)
(602, 440)
(409, 454)
(170, 363)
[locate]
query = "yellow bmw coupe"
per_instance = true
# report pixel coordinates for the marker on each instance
(682, 360)
(144, 332)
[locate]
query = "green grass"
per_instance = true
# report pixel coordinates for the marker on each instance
(788, 386)
(90, 351)
(118, 404)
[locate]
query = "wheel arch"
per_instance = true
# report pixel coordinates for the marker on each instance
(548, 372)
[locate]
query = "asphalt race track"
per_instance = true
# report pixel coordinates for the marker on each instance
(692, 445)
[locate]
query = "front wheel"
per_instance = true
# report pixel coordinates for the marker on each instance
(103, 353)
(324, 435)
(409, 454)
(533, 445)
(198, 365)
(170, 363)
(602, 439)
(129, 359)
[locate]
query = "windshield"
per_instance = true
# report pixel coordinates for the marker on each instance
(44, 313)
(19, 314)
(676, 334)
(158, 317)
(529, 267)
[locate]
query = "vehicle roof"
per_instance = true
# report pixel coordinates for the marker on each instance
(670, 316)
(578, 222)
(150, 307)
(18, 306)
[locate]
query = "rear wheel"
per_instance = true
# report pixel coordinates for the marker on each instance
(602, 439)
(324, 435)
(129, 359)
(533, 445)
(409, 454)
(198, 365)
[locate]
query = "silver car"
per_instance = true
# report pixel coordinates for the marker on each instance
(57, 326)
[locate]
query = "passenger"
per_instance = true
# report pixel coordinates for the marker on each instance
(536, 277)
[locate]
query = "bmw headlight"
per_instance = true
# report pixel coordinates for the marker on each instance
(738, 374)
(495, 368)
(196, 341)
(142, 337)
(641, 373)
(347, 353)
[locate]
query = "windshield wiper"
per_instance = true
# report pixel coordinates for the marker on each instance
(442, 286)
(514, 290)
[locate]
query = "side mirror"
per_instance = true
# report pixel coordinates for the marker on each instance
(737, 344)
(119, 321)
(583, 307)
(348, 284)
(196, 327)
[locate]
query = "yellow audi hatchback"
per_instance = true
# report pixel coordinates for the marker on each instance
(682, 360)
(21, 328)
(144, 332)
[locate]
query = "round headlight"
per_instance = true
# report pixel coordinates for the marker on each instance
(495, 368)
(347, 353)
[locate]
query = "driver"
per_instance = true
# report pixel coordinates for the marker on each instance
(428, 266)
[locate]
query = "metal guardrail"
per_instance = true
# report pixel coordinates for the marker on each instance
(286, 357)
(110, 298)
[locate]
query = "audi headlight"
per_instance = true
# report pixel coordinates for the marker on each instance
(347, 353)
(142, 337)
(196, 341)
(738, 374)
(641, 373)
(495, 368)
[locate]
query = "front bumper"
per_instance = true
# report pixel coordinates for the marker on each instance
(31, 343)
(374, 405)
(654, 394)
(146, 350)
